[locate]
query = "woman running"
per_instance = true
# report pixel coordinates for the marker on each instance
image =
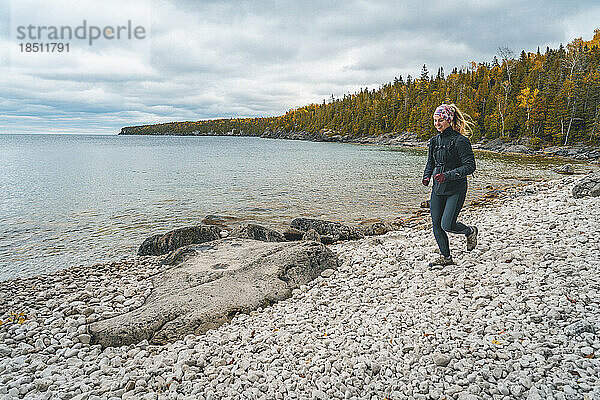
(449, 161)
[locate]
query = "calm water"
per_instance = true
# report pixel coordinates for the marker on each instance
(72, 199)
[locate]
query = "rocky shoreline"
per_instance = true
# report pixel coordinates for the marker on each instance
(517, 318)
(575, 152)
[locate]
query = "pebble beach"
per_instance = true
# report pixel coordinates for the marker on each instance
(517, 318)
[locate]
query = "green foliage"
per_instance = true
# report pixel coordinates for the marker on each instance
(550, 98)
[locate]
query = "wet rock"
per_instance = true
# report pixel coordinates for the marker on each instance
(163, 244)
(218, 220)
(257, 232)
(334, 229)
(311, 234)
(377, 228)
(292, 234)
(327, 239)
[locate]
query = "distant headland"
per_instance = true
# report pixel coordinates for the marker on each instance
(539, 102)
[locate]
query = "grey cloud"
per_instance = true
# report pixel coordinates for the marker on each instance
(215, 59)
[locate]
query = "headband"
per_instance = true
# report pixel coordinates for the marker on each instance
(444, 111)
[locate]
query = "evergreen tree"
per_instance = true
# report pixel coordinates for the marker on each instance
(550, 98)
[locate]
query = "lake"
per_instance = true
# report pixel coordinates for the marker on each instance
(81, 199)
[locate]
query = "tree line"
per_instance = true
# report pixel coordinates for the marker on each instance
(550, 98)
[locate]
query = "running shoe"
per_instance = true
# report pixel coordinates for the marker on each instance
(472, 238)
(441, 260)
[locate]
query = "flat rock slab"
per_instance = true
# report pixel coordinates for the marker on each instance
(215, 281)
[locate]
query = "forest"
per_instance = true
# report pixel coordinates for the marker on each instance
(535, 98)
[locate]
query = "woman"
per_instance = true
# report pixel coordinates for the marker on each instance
(449, 161)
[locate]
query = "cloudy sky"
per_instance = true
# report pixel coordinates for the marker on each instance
(214, 59)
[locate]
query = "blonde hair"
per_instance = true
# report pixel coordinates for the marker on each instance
(462, 122)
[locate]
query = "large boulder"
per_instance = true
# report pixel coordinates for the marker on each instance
(377, 228)
(162, 244)
(215, 281)
(328, 228)
(589, 185)
(258, 232)
(311, 234)
(292, 234)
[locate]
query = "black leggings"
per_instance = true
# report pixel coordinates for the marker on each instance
(444, 211)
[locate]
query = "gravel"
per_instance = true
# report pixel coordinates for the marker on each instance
(517, 318)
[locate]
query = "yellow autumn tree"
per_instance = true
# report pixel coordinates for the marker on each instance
(526, 100)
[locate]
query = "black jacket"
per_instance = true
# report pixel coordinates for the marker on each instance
(450, 153)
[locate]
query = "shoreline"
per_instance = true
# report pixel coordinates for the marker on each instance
(577, 152)
(106, 231)
(514, 318)
(415, 218)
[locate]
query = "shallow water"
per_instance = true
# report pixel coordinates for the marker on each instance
(71, 199)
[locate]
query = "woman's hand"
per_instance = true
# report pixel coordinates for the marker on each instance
(441, 178)
(425, 181)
